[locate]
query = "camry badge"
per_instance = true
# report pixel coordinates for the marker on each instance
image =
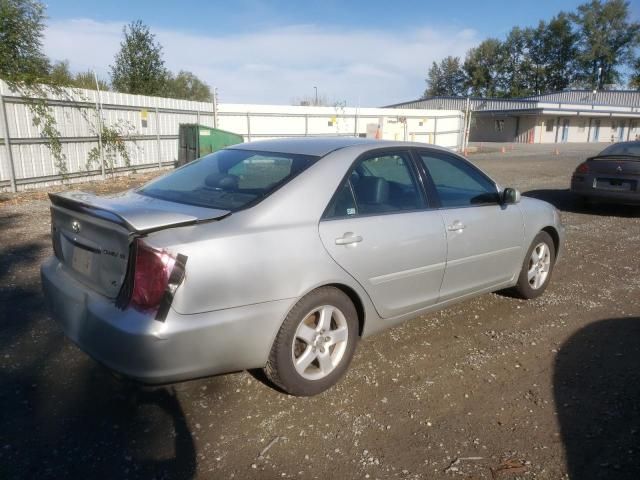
(75, 226)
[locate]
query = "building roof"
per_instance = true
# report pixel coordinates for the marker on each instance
(629, 100)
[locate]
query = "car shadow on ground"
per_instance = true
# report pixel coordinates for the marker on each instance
(565, 201)
(597, 391)
(63, 415)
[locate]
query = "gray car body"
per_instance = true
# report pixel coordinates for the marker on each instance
(246, 270)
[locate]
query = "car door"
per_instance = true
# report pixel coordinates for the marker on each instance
(484, 237)
(379, 228)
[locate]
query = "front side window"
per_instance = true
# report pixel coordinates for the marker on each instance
(458, 183)
(228, 179)
(379, 184)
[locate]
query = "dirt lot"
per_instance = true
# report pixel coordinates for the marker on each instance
(495, 388)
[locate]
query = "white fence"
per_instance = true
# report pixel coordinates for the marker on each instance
(153, 124)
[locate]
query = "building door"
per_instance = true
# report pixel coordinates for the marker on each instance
(596, 130)
(621, 132)
(565, 130)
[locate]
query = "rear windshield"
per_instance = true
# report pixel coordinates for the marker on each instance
(228, 179)
(632, 148)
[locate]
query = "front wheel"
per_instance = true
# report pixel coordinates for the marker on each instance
(537, 267)
(315, 344)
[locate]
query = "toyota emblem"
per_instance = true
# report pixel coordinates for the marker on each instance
(75, 226)
(619, 168)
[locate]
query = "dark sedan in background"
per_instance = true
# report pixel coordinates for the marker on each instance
(612, 176)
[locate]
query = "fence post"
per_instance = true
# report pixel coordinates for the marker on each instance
(435, 130)
(7, 143)
(215, 108)
(355, 123)
(158, 137)
(248, 127)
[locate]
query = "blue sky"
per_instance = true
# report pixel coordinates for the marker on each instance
(364, 52)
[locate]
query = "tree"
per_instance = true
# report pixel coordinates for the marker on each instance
(607, 40)
(60, 74)
(482, 66)
(446, 78)
(88, 80)
(187, 86)
(21, 26)
(634, 81)
(139, 67)
(560, 47)
(537, 56)
(514, 65)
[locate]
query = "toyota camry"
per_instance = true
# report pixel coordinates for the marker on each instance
(284, 254)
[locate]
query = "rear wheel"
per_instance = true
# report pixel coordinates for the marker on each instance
(537, 267)
(315, 344)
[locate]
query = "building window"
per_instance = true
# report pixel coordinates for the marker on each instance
(549, 125)
(499, 125)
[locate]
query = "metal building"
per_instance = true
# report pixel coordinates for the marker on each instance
(558, 117)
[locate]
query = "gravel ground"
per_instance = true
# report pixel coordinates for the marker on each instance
(489, 389)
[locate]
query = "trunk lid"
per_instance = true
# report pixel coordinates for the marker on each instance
(93, 235)
(615, 166)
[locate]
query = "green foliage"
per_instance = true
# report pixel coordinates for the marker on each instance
(607, 40)
(61, 75)
(114, 139)
(560, 50)
(138, 67)
(21, 26)
(634, 81)
(513, 64)
(482, 68)
(88, 81)
(445, 78)
(567, 51)
(187, 86)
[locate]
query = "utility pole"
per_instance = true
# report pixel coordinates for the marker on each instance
(316, 89)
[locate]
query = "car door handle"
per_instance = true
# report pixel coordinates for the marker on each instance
(348, 238)
(456, 226)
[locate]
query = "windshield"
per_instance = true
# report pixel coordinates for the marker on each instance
(228, 179)
(626, 148)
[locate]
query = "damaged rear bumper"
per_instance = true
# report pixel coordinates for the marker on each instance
(182, 347)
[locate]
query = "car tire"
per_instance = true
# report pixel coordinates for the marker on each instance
(315, 343)
(535, 276)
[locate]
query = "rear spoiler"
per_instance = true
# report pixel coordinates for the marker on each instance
(137, 214)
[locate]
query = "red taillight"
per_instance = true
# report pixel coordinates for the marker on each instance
(583, 168)
(151, 276)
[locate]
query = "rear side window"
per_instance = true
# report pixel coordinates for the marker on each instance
(622, 149)
(458, 183)
(377, 184)
(228, 179)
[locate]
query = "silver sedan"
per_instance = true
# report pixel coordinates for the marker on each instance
(283, 254)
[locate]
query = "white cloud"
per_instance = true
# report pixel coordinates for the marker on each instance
(369, 67)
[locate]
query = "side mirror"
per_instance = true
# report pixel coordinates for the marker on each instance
(510, 195)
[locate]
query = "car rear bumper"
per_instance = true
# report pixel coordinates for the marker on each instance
(583, 185)
(182, 347)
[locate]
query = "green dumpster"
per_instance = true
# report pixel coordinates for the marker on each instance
(196, 141)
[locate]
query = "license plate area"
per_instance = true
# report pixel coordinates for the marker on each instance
(81, 261)
(614, 184)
